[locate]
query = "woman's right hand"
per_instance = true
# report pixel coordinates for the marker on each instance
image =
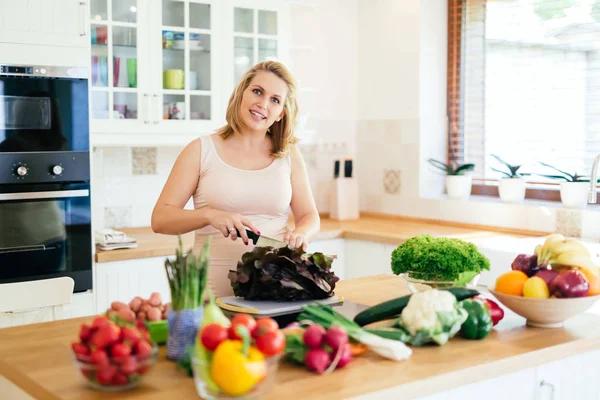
(228, 222)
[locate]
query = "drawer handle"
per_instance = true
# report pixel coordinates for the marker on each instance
(83, 31)
(544, 384)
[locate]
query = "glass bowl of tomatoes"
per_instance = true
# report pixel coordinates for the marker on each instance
(237, 361)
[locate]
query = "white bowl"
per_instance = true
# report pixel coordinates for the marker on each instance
(545, 313)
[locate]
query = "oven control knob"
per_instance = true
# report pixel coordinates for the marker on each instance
(22, 170)
(57, 170)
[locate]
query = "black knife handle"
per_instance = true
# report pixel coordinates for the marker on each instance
(251, 235)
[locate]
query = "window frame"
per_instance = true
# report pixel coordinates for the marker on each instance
(545, 191)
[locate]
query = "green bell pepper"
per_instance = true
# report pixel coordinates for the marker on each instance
(479, 322)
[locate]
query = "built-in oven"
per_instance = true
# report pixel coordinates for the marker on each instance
(45, 206)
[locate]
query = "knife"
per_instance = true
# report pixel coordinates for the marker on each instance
(263, 241)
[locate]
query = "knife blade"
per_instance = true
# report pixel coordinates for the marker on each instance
(264, 241)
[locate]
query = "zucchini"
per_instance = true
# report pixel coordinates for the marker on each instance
(391, 308)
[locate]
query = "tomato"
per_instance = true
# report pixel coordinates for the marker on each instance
(242, 319)
(265, 325)
(212, 335)
(271, 343)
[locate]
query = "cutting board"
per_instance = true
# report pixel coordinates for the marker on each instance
(270, 308)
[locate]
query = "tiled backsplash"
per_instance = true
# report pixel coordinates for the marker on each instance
(127, 182)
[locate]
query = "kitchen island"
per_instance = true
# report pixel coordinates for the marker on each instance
(37, 358)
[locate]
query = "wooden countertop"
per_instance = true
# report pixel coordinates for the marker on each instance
(370, 227)
(37, 358)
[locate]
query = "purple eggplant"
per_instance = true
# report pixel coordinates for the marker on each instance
(568, 284)
(526, 263)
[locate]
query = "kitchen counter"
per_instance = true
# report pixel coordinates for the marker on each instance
(373, 227)
(37, 358)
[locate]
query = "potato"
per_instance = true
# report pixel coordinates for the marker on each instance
(135, 304)
(117, 305)
(155, 299)
(141, 315)
(154, 314)
(126, 314)
(111, 313)
(145, 307)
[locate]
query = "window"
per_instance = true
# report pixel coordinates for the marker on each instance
(524, 84)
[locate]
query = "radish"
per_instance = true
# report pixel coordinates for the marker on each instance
(313, 336)
(336, 337)
(317, 359)
(345, 358)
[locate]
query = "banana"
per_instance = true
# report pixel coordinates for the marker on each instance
(538, 250)
(575, 259)
(549, 244)
(570, 245)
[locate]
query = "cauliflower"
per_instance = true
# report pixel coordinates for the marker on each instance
(432, 315)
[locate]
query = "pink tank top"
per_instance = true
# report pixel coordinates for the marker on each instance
(263, 196)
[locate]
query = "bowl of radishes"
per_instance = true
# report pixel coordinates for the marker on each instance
(318, 349)
(152, 312)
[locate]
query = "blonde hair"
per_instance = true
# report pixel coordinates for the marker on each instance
(281, 132)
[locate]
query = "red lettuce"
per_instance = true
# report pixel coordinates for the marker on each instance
(283, 274)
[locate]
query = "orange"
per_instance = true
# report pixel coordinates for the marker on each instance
(511, 283)
(593, 280)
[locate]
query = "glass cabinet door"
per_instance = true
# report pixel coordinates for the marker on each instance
(114, 49)
(255, 38)
(186, 60)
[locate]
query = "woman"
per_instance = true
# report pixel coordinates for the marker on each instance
(248, 175)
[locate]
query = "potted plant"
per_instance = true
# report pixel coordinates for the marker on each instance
(458, 185)
(512, 186)
(573, 190)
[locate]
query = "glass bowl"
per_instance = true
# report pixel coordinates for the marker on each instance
(121, 373)
(208, 389)
(418, 282)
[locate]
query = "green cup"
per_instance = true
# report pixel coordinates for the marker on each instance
(132, 72)
(173, 79)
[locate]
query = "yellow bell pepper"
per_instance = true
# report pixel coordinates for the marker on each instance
(234, 372)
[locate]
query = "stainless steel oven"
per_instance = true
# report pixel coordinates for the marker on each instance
(45, 206)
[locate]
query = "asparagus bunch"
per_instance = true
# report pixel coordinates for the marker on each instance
(187, 276)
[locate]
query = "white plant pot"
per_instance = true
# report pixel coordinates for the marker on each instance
(458, 186)
(574, 194)
(512, 190)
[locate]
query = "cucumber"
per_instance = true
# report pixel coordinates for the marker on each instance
(394, 307)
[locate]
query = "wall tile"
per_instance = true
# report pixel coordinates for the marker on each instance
(392, 132)
(569, 222)
(118, 217)
(143, 160)
(116, 162)
(392, 181)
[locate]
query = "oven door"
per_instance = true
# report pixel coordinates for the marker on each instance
(43, 113)
(45, 233)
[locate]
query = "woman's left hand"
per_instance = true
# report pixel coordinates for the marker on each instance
(296, 240)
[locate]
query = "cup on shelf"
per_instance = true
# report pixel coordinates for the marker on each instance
(193, 80)
(116, 70)
(178, 110)
(132, 72)
(101, 34)
(173, 79)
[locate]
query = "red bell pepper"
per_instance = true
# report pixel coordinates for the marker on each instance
(496, 312)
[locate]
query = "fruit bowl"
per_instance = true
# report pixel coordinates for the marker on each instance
(121, 373)
(265, 372)
(545, 313)
(417, 282)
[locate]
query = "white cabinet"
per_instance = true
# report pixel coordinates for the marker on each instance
(44, 22)
(515, 386)
(367, 258)
(332, 247)
(571, 378)
(162, 70)
(123, 280)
